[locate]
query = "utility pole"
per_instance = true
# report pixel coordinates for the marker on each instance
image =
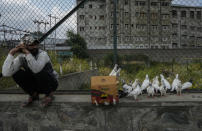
(45, 23)
(115, 31)
(148, 22)
(38, 26)
(180, 33)
(4, 30)
(54, 17)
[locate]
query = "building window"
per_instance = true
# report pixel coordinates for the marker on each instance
(90, 27)
(126, 2)
(90, 16)
(183, 13)
(192, 28)
(112, 26)
(164, 4)
(90, 6)
(165, 16)
(101, 28)
(140, 3)
(184, 27)
(198, 15)
(165, 27)
(154, 15)
(153, 3)
(126, 14)
(81, 17)
(192, 14)
(82, 6)
(102, 17)
(131, 25)
(174, 13)
(155, 27)
(174, 25)
(140, 27)
(184, 36)
(142, 14)
(127, 38)
(95, 17)
(165, 39)
(81, 28)
(199, 29)
(137, 14)
(174, 34)
(174, 45)
(101, 6)
(95, 27)
(126, 26)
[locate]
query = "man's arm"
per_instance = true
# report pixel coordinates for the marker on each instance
(37, 65)
(11, 65)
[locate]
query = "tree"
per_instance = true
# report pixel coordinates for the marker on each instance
(78, 44)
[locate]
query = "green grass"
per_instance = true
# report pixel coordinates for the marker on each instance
(68, 66)
(130, 70)
(8, 81)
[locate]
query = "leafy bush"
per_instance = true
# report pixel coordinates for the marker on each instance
(78, 45)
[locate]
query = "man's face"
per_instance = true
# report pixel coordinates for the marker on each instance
(33, 49)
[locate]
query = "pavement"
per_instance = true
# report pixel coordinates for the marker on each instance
(186, 99)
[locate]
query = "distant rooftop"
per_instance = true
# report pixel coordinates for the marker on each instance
(189, 3)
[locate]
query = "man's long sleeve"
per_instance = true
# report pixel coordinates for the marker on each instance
(36, 65)
(10, 65)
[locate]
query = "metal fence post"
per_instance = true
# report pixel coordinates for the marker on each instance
(115, 32)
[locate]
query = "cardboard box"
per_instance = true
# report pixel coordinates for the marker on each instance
(104, 90)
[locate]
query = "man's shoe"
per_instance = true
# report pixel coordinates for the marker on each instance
(31, 99)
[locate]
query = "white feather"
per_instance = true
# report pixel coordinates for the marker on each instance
(176, 84)
(145, 83)
(137, 91)
(165, 82)
(114, 70)
(186, 85)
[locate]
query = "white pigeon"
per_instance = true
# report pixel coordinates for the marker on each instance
(134, 84)
(127, 89)
(116, 73)
(155, 83)
(176, 83)
(150, 90)
(114, 70)
(165, 82)
(145, 83)
(187, 85)
(137, 91)
(162, 89)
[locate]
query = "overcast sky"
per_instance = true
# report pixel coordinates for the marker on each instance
(21, 13)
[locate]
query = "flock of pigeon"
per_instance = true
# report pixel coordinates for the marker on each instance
(153, 87)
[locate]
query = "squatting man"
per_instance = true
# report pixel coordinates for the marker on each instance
(32, 70)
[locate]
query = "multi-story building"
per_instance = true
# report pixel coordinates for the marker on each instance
(140, 24)
(186, 26)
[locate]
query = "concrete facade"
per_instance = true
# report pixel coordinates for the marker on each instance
(140, 24)
(76, 113)
(160, 55)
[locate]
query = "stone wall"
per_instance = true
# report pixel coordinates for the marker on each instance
(74, 81)
(160, 55)
(85, 117)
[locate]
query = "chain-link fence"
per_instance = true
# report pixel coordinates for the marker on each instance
(140, 24)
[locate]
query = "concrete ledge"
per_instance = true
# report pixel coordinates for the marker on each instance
(76, 113)
(189, 99)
